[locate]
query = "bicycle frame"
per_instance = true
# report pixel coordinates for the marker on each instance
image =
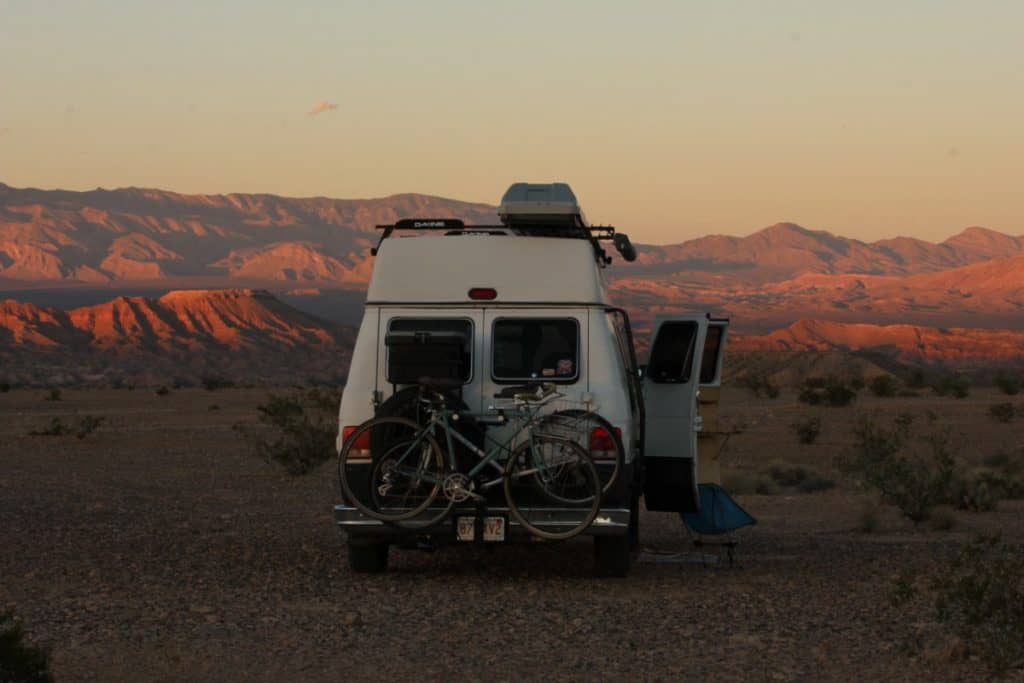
(488, 458)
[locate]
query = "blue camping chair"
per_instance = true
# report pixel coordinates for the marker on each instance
(719, 515)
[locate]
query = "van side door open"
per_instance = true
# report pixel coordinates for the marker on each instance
(672, 420)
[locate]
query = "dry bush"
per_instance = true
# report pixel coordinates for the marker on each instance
(952, 385)
(1008, 385)
(981, 597)
(1002, 412)
(803, 479)
(296, 430)
(86, 426)
(884, 386)
(913, 472)
(52, 395)
(868, 520)
(740, 482)
(829, 391)
(807, 431)
(759, 384)
(20, 661)
(942, 518)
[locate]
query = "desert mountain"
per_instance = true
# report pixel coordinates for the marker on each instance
(183, 334)
(314, 249)
(955, 347)
(139, 235)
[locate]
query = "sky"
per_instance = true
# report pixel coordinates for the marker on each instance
(670, 120)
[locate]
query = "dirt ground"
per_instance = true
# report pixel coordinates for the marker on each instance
(157, 548)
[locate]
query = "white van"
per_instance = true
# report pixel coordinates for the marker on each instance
(528, 301)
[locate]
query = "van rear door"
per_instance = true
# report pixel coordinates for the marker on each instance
(672, 419)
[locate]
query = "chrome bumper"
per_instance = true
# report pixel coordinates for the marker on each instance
(609, 522)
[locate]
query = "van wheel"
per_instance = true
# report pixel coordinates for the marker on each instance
(612, 556)
(368, 558)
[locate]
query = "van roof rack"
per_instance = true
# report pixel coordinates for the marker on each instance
(454, 226)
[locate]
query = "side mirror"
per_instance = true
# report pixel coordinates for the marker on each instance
(624, 246)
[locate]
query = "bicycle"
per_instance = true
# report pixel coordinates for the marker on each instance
(393, 469)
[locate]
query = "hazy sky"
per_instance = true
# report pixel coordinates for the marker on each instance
(670, 119)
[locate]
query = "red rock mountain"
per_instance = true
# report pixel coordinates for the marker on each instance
(184, 334)
(138, 235)
(313, 249)
(957, 347)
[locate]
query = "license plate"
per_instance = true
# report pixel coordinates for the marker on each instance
(493, 528)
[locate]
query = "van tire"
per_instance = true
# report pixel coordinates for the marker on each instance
(368, 558)
(613, 556)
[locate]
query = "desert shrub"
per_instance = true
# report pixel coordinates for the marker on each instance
(803, 479)
(55, 428)
(740, 482)
(952, 385)
(297, 430)
(52, 395)
(1002, 412)
(20, 661)
(830, 391)
(86, 426)
(212, 407)
(1008, 385)
(215, 382)
(942, 518)
(916, 380)
(759, 385)
(868, 519)
(913, 472)
(981, 597)
(162, 391)
(4, 387)
(883, 386)
(807, 431)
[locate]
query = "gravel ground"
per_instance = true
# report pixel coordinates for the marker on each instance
(158, 549)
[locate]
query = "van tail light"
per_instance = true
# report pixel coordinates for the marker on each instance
(602, 443)
(361, 446)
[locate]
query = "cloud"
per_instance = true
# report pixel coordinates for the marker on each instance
(321, 107)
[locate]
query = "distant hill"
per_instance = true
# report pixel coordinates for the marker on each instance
(184, 335)
(314, 253)
(954, 347)
(115, 237)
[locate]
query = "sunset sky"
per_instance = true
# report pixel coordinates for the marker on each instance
(670, 119)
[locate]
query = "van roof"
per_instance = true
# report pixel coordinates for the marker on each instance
(521, 269)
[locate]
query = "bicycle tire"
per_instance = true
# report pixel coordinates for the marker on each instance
(573, 418)
(376, 460)
(586, 475)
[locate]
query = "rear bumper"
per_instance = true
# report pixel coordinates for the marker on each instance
(609, 522)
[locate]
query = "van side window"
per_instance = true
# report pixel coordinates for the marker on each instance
(441, 327)
(535, 348)
(709, 359)
(672, 354)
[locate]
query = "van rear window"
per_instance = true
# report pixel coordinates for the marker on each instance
(536, 348)
(442, 327)
(672, 354)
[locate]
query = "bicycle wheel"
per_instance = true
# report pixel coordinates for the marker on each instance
(391, 469)
(595, 435)
(552, 487)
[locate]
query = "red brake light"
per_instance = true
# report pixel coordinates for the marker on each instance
(362, 443)
(483, 293)
(601, 440)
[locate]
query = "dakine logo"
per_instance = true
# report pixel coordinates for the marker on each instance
(428, 224)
